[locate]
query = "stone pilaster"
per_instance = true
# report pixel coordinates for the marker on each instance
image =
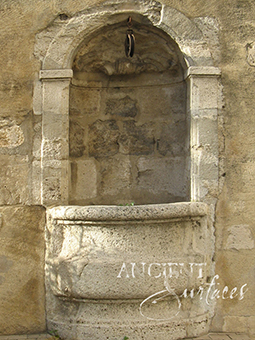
(55, 132)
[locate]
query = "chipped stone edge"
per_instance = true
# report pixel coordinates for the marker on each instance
(55, 74)
(124, 213)
(202, 71)
(39, 336)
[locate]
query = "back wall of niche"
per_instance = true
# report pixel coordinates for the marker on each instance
(129, 140)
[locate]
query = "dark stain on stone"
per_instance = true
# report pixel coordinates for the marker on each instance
(125, 107)
(103, 138)
(5, 264)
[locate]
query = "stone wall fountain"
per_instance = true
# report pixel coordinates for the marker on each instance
(129, 174)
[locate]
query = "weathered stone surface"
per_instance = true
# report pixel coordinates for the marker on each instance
(11, 135)
(14, 179)
(164, 176)
(37, 140)
(241, 324)
(167, 101)
(54, 149)
(239, 237)
(84, 180)
(126, 254)
(55, 182)
(55, 138)
(36, 182)
(76, 137)
(51, 91)
(137, 139)
(85, 101)
(172, 139)
(250, 48)
(115, 179)
(235, 323)
(103, 138)
(206, 94)
(210, 29)
(124, 107)
(22, 270)
(154, 53)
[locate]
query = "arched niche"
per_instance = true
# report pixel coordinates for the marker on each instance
(57, 48)
(129, 133)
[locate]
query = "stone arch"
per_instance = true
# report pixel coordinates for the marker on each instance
(56, 48)
(72, 32)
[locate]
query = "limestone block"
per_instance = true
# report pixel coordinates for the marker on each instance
(150, 331)
(85, 101)
(37, 140)
(205, 130)
(209, 189)
(55, 125)
(137, 139)
(208, 165)
(163, 101)
(251, 325)
(54, 149)
(116, 177)
(196, 52)
(204, 93)
(103, 138)
(235, 324)
(124, 107)
(201, 327)
(247, 175)
(55, 181)
(172, 139)
(36, 173)
(52, 74)
(84, 179)
(51, 189)
(22, 270)
(184, 28)
(240, 324)
(239, 237)
(211, 114)
(37, 98)
(163, 175)
(56, 97)
(11, 135)
(14, 179)
(210, 29)
(234, 268)
(76, 139)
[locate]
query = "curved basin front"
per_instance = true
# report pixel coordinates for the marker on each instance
(121, 264)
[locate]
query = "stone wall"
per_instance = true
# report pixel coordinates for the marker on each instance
(22, 269)
(21, 272)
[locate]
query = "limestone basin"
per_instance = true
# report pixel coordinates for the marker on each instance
(137, 271)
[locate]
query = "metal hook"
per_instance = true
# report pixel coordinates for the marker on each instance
(130, 39)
